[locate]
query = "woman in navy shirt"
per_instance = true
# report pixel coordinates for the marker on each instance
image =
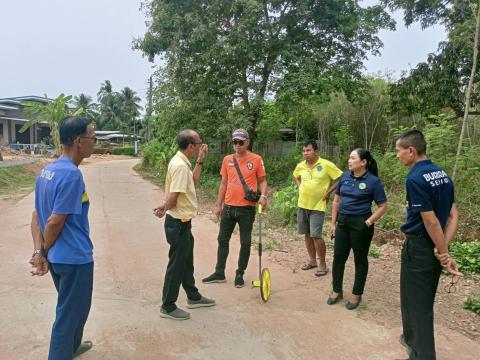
(352, 222)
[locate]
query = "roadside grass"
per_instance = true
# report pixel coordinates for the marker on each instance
(16, 182)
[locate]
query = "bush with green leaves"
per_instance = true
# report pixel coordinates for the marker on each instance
(374, 251)
(124, 150)
(467, 255)
(156, 154)
(284, 203)
(473, 303)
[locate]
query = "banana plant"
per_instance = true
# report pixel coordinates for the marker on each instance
(52, 112)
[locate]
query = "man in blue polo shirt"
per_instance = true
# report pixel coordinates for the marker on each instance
(432, 220)
(61, 235)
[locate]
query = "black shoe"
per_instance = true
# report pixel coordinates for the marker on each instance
(333, 301)
(239, 281)
(214, 278)
(353, 306)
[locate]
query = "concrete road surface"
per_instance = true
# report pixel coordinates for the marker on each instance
(130, 261)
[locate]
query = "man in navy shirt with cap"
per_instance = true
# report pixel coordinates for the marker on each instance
(432, 219)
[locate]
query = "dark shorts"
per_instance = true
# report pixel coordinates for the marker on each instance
(310, 222)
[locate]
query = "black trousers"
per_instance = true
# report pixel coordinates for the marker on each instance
(180, 263)
(351, 233)
(419, 275)
(231, 215)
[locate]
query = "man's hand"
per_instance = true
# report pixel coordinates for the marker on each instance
(326, 197)
(217, 211)
(159, 211)
(333, 226)
(40, 265)
(452, 267)
(443, 258)
(202, 153)
(263, 201)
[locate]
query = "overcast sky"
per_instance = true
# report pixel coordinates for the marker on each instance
(71, 46)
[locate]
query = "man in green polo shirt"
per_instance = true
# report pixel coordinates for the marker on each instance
(313, 177)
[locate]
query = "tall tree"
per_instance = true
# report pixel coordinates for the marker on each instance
(457, 73)
(130, 106)
(110, 109)
(219, 52)
(86, 104)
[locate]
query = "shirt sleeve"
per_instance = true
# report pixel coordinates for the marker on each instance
(68, 199)
(260, 168)
(333, 171)
(379, 195)
(418, 196)
(179, 179)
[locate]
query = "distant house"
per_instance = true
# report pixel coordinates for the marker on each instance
(12, 119)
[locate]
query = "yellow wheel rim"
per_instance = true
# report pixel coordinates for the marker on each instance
(265, 286)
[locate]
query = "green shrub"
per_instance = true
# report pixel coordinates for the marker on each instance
(374, 251)
(472, 304)
(467, 255)
(124, 150)
(284, 203)
(156, 154)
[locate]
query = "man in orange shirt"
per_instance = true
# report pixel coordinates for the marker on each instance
(233, 208)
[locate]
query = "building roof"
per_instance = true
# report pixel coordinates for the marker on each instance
(19, 99)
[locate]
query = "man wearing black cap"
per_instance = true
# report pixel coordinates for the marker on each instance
(241, 172)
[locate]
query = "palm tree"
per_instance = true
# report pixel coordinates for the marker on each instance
(87, 106)
(110, 108)
(52, 112)
(130, 106)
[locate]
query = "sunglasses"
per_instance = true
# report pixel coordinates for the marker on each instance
(238, 142)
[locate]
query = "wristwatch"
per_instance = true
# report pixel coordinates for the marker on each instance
(368, 222)
(37, 251)
(199, 162)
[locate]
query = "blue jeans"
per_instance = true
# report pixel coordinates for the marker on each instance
(74, 284)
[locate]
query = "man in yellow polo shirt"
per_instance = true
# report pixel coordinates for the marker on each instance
(180, 208)
(313, 177)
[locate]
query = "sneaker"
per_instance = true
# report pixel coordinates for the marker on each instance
(177, 314)
(83, 348)
(202, 302)
(214, 278)
(239, 281)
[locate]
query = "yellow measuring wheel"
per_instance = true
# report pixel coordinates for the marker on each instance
(265, 281)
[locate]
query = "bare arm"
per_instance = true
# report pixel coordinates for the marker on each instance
(262, 186)
(335, 205)
(53, 228)
(198, 167)
(169, 203)
(381, 209)
(38, 260)
(451, 226)
(36, 232)
(297, 180)
(222, 189)
(332, 188)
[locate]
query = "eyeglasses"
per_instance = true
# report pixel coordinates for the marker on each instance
(238, 142)
(93, 138)
(451, 286)
(195, 144)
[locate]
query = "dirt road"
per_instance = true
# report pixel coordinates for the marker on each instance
(130, 261)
